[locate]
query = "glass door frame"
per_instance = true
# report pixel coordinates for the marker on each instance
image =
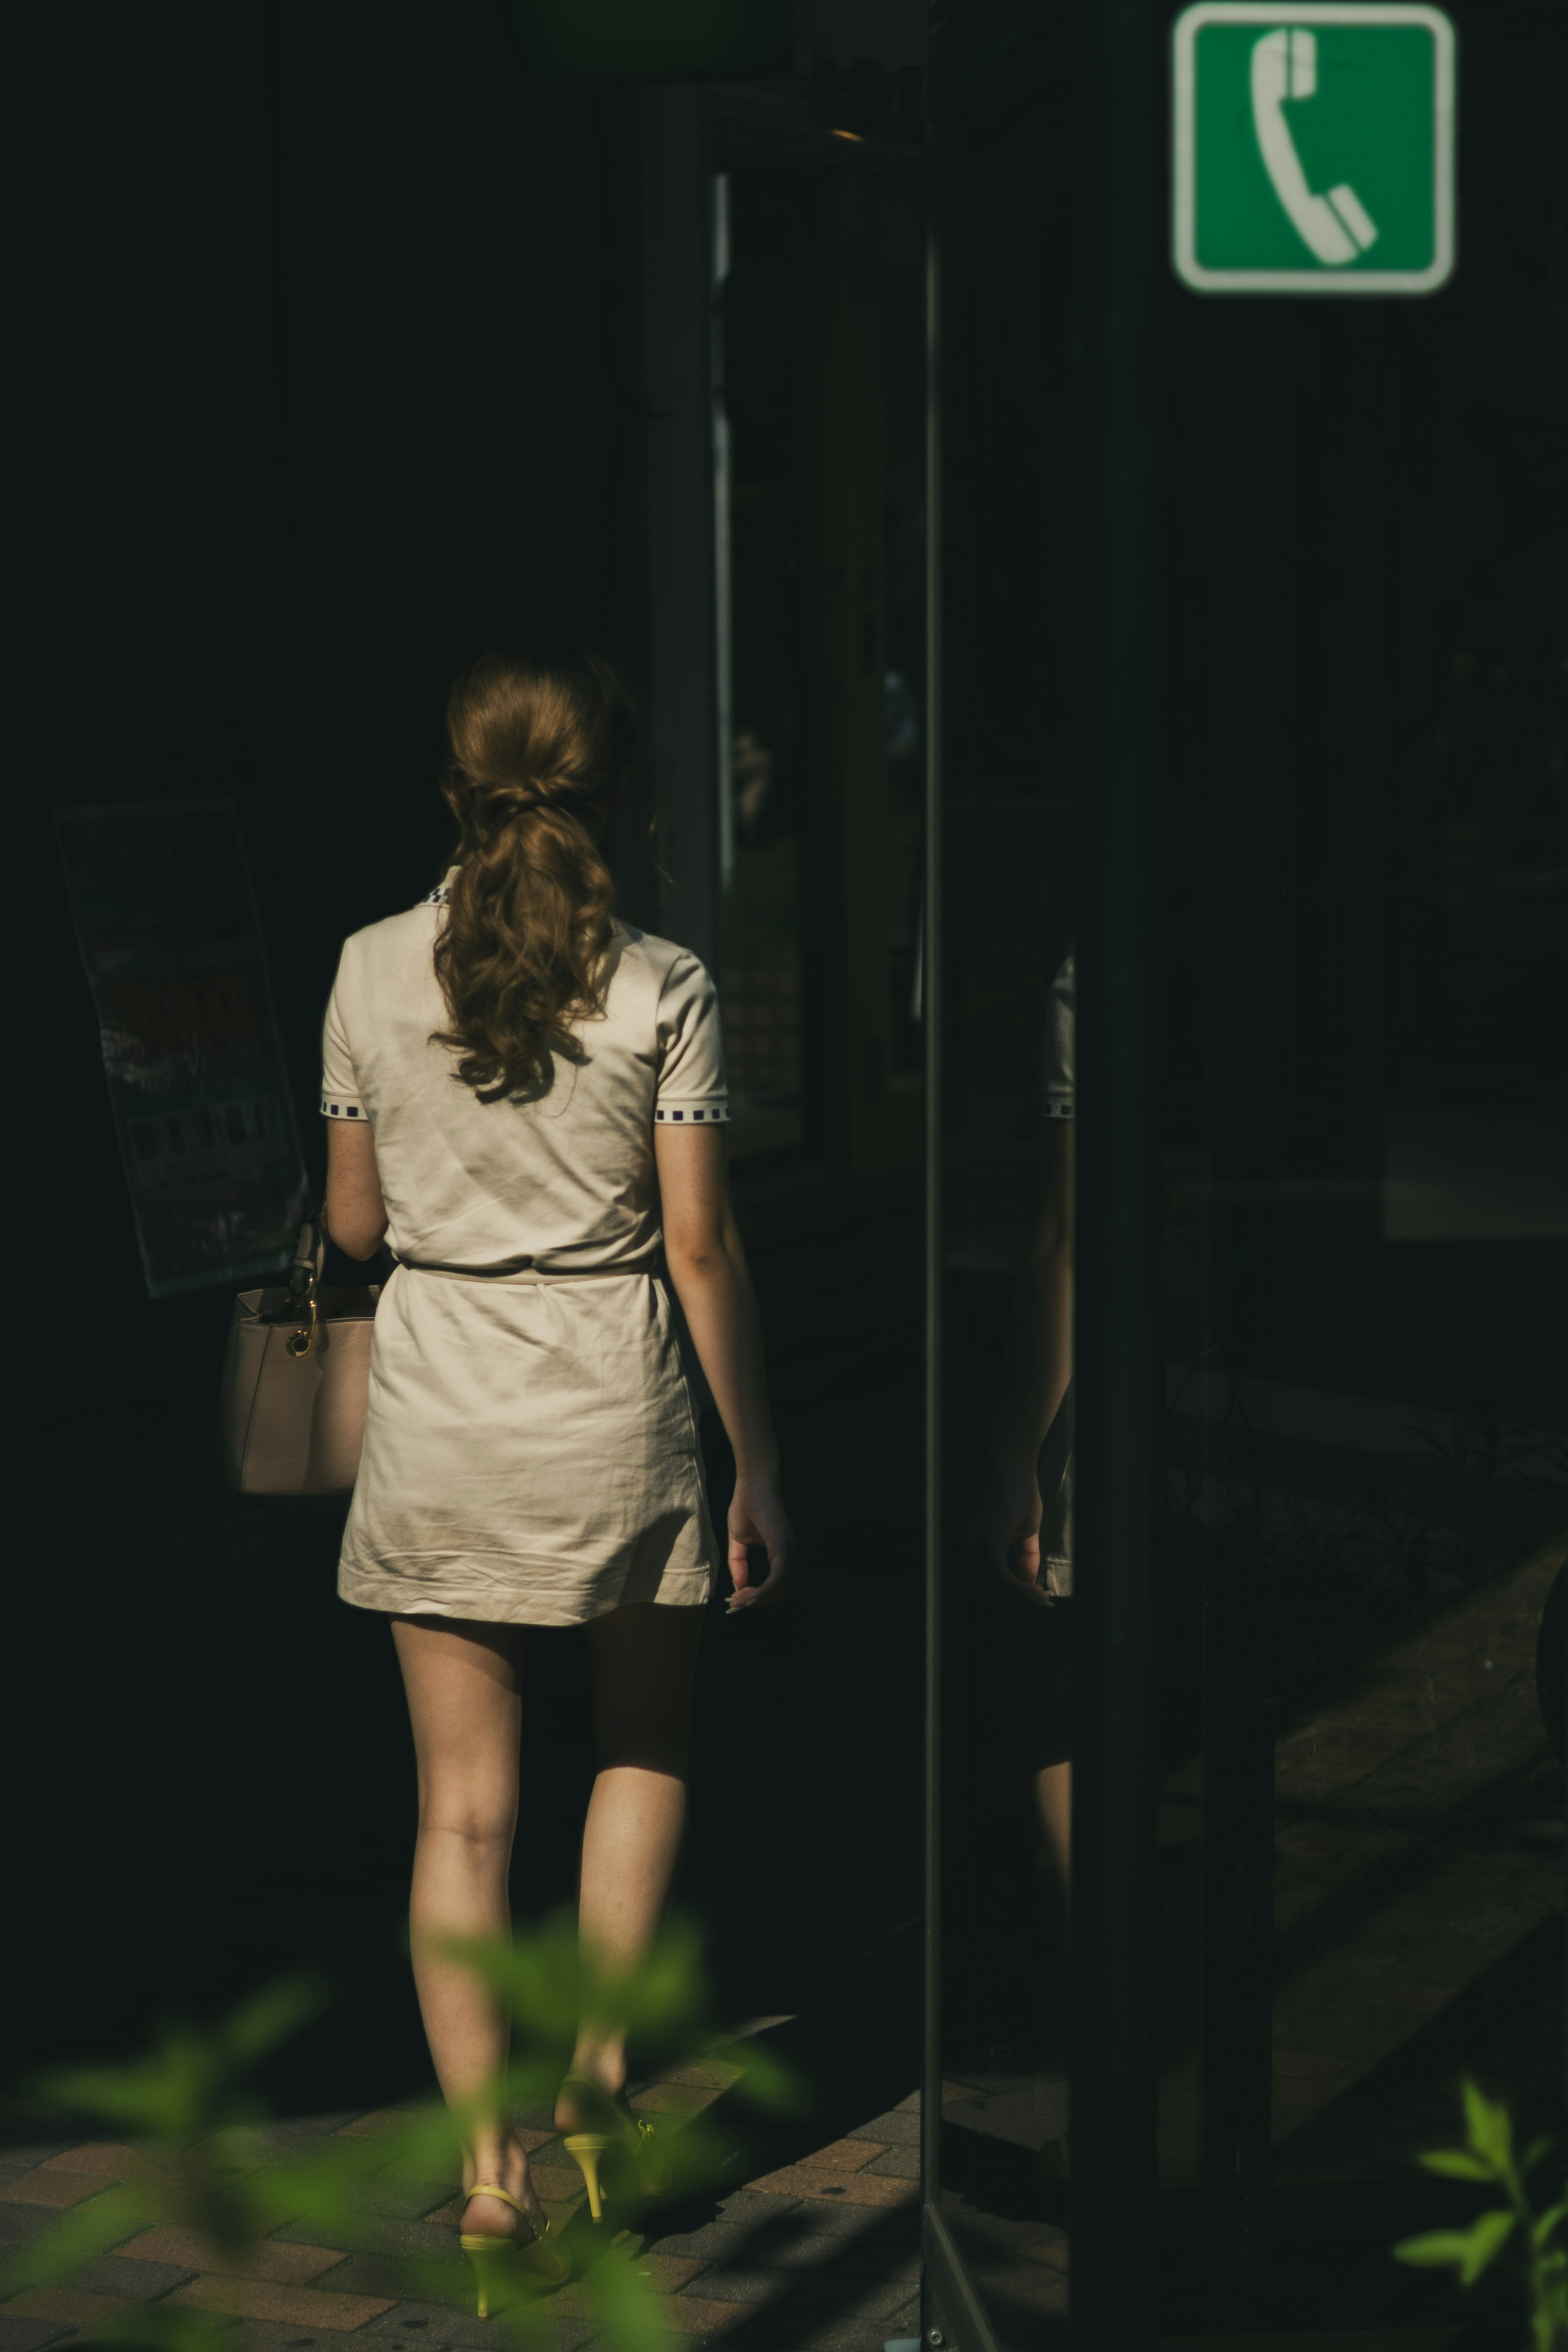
(1118, 253)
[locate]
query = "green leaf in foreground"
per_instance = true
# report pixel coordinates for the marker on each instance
(205, 2163)
(1456, 2164)
(1490, 2127)
(1468, 2251)
(1539, 2263)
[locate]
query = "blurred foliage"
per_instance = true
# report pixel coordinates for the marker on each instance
(203, 2158)
(1533, 2243)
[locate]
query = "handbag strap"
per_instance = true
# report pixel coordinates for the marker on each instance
(309, 1262)
(306, 1269)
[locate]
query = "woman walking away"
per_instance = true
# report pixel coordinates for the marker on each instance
(525, 1097)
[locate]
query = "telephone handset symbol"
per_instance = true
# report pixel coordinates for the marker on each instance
(1336, 226)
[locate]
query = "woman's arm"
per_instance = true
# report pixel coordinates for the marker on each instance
(356, 1213)
(1038, 1366)
(707, 1267)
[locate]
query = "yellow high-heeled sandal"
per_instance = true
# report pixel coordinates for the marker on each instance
(614, 2131)
(499, 2262)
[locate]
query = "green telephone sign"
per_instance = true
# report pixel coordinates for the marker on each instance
(1312, 148)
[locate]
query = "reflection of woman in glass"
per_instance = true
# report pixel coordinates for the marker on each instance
(754, 770)
(1023, 1527)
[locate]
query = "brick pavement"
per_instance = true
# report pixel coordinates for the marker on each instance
(820, 2256)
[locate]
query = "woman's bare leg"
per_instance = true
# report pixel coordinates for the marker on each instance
(644, 1657)
(465, 1706)
(1053, 1802)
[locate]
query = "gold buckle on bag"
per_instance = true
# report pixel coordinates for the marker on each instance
(300, 1343)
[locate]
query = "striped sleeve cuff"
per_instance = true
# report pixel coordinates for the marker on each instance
(712, 1112)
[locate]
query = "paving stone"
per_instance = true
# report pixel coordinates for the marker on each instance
(138, 2282)
(700, 2319)
(283, 2137)
(674, 2099)
(897, 2224)
(899, 2127)
(429, 2327)
(402, 2201)
(1047, 2299)
(19, 2225)
(274, 2258)
(897, 2164)
(1052, 2250)
(371, 2234)
(791, 2329)
(418, 2168)
(848, 2297)
(702, 2073)
(845, 2154)
(302, 2306)
(384, 2123)
(714, 2242)
(732, 2282)
(557, 2184)
(107, 2159)
(29, 2334)
(994, 2237)
(576, 2300)
(760, 2245)
(668, 2274)
(272, 2335)
(814, 2180)
(865, 2259)
(742, 2205)
(68, 2306)
(287, 2131)
(45, 2186)
(388, 2276)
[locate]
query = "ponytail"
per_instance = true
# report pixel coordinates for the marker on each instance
(537, 752)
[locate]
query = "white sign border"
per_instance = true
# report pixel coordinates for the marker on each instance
(1183, 161)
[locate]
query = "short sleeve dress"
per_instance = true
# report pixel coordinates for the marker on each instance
(531, 1451)
(1059, 1100)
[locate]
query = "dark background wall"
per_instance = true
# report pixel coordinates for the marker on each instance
(310, 399)
(313, 405)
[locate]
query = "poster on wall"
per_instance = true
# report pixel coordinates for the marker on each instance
(166, 923)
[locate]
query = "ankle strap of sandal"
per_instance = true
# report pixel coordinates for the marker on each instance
(489, 2188)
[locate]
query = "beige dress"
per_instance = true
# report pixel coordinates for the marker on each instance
(531, 1452)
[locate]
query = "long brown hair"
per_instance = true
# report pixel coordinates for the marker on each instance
(538, 751)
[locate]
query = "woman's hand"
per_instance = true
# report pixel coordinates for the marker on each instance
(758, 1519)
(1004, 1533)
(707, 1269)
